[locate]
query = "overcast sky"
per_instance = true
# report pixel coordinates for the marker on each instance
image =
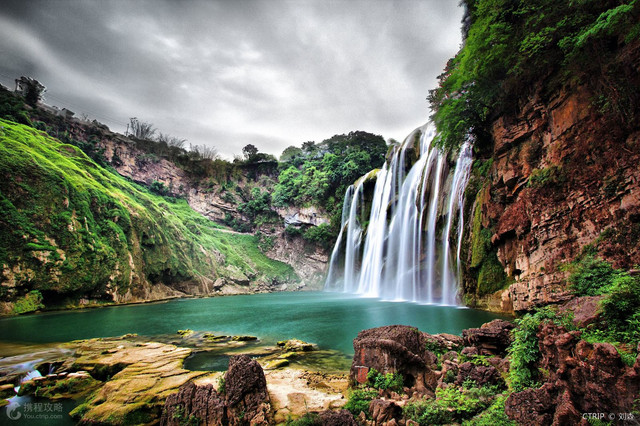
(227, 73)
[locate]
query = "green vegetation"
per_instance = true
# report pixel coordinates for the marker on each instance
(621, 308)
(492, 416)
(359, 400)
(30, 302)
(320, 235)
(548, 176)
(484, 257)
(591, 276)
(74, 228)
(451, 405)
(319, 174)
(390, 381)
(222, 384)
(524, 352)
(309, 419)
(512, 44)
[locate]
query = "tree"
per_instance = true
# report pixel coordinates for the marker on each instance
(291, 154)
(205, 151)
(171, 141)
(31, 89)
(141, 129)
(249, 151)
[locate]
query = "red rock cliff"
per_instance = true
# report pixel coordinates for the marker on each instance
(564, 174)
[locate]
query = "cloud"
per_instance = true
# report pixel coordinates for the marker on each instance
(227, 73)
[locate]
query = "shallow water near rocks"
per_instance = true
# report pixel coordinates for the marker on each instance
(330, 320)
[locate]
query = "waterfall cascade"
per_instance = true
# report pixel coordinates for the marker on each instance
(404, 257)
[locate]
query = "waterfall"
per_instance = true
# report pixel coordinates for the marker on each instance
(404, 257)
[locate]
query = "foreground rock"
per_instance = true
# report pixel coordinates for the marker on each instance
(243, 399)
(452, 386)
(140, 376)
(294, 392)
(399, 349)
(583, 378)
(492, 338)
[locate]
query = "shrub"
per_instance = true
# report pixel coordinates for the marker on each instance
(492, 416)
(451, 405)
(548, 176)
(222, 385)
(320, 234)
(359, 401)
(309, 419)
(591, 276)
(30, 302)
(621, 308)
(158, 188)
(524, 351)
(390, 381)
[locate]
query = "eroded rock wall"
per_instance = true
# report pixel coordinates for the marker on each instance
(564, 174)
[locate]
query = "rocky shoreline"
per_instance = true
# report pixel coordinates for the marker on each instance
(399, 376)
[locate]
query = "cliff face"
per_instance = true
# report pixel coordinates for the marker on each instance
(564, 174)
(217, 202)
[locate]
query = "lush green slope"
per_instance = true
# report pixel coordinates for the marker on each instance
(71, 228)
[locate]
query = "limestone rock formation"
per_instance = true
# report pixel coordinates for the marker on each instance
(492, 338)
(245, 399)
(583, 378)
(396, 349)
(383, 411)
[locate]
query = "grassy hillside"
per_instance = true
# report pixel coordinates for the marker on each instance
(70, 228)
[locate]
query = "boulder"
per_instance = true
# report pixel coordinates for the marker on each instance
(201, 404)
(480, 374)
(492, 338)
(246, 391)
(245, 399)
(337, 418)
(383, 411)
(583, 378)
(295, 345)
(395, 349)
(585, 310)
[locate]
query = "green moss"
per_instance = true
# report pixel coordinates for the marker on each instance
(107, 228)
(548, 176)
(490, 273)
(480, 238)
(78, 412)
(30, 302)
(491, 277)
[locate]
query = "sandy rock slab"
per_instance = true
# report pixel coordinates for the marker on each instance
(139, 377)
(294, 392)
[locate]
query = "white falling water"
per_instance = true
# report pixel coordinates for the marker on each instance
(404, 257)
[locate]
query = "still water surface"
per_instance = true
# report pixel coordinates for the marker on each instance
(330, 320)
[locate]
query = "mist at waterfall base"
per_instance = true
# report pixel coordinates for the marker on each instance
(397, 252)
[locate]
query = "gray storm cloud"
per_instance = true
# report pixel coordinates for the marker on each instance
(227, 73)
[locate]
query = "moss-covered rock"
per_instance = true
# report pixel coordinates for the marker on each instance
(72, 229)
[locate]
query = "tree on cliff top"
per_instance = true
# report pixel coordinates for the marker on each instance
(141, 129)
